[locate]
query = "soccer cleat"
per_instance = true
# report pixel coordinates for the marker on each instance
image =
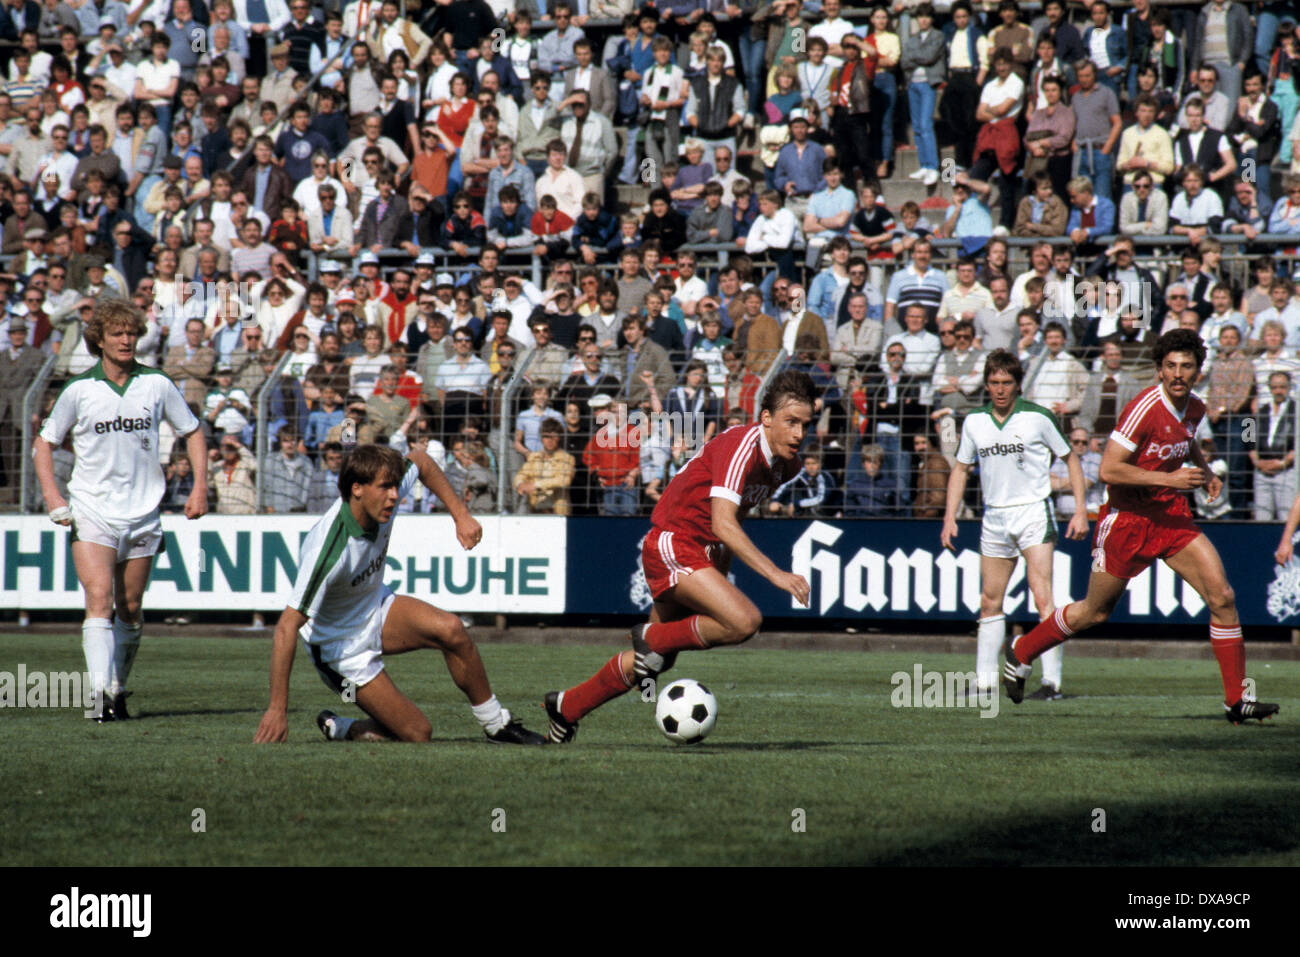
(1244, 710)
(513, 732)
(1013, 677)
(647, 663)
(1046, 692)
(562, 730)
(102, 712)
(117, 706)
(325, 721)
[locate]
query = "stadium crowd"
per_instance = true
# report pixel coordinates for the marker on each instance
(364, 219)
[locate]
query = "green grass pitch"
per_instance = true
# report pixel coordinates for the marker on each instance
(814, 731)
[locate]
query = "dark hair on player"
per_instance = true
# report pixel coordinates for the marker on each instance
(789, 386)
(1179, 340)
(1004, 360)
(366, 464)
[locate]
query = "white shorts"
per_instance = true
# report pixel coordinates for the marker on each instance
(140, 538)
(1006, 532)
(356, 660)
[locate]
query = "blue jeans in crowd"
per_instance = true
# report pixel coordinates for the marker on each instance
(1097, 166)
(751, 62)
(1284, 95)
(620, 500)
(920, 102)
(897, 465)
(884, 94)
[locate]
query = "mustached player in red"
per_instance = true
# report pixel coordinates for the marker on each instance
(695, 531)
(1147, 517)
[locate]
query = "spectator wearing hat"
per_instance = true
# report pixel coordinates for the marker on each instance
(591, 144)
(33, 256)
(613, 457)
(227, 408)
(277, 85)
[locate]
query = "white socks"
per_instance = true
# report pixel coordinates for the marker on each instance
(1051, 659)
(126, 642)
(988, 649)
(491, 716)
(97, 643)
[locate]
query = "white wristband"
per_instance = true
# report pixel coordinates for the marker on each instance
(61, 516)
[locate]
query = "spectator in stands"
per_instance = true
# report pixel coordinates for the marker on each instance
(997, 145)
(1222, 315)
(386, 409)
(810, 494)
(1059, 475)
(868, 491)
(1144, 210)
(924, 63)
(231, 477)
(1247, 212)
(461, 383)
(323, 487)
(1096, 129)
(190, 363)
(829, 211)
(287, 476)
(227, 409)
(1227, 401)
(612, 457)
(970, 219)
(1203, 146)
(590, 143)
(1041, 211)
(560, 181)
(1274, 451)
(958, 381)
(1091, 217)
(1110, 389)
(919, 283)
(1256, 129)
(1145, 146)
(757, 334)
(1061, 380)
(1285, 217)
(642, 355)
(544, 480)
(469, 471)
(663, 223)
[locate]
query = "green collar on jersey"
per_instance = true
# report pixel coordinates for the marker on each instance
(97, 372)
(353, 526)
(1020, 405)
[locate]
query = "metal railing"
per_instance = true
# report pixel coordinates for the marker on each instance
(261, 439)
(35, 394)
(505, 441)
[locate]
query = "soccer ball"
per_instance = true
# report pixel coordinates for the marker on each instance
(686, 711)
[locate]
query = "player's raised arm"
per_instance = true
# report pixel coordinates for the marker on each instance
(1117, 469)
(468, 531)
(956, 489)
(274, 727)
(726, 525)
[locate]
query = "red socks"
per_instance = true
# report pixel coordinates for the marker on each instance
(1230, 650)
(670, 636)
(605, 685)
(1046, 635)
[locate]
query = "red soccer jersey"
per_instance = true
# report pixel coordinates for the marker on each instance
(1151, 427)
(737, 465)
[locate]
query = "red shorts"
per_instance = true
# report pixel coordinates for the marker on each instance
(668, 558)
(1127, 543)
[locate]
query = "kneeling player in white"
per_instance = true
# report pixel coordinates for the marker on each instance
(117, 484)
(1014, 441)
(349, 619)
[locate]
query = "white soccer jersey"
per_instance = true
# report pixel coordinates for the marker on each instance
(1013, 456)
(341, 570)
(117, 473)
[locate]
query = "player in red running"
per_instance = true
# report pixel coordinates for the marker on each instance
(1147, 517)
(695, 531)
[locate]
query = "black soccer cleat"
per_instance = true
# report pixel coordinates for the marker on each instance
(647, 663)
(513, 732)
(562, 731)
(1046, 692)
(102, 711)
(1013, 677)
(1244, 710)
(323, 722)
(117, 706)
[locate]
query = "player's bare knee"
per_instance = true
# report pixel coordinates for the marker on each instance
(745, 626)
(418, 732)
(1221, 598)
(128, 610)
(990, 605)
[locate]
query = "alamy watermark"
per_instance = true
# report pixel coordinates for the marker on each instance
(47, 689)
(919, 688)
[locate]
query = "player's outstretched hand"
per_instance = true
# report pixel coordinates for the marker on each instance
(468, 531)
(1188, 479)
(1283, 553)
(796, 585)
(197, 503)
(273, 729)
(948, 534)
(1078, 527)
